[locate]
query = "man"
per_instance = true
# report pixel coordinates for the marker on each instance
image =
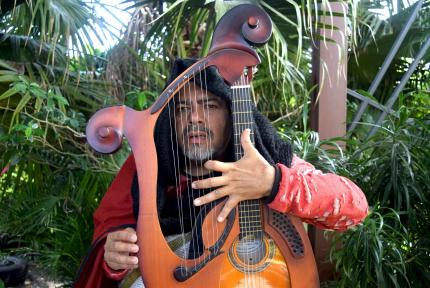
(202, 130)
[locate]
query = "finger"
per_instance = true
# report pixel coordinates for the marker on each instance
(210, 182)
(245, 140)
(119, 259)
(214, 195)
(126, 235)
(217, 166)
(228, 206)
(120, 266)
(119, 246)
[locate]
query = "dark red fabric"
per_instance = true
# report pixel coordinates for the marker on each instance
(115, 212)
(114, 274)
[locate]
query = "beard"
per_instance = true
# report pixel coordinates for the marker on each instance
(197, 153)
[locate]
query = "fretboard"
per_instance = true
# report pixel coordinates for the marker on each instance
(242, 112)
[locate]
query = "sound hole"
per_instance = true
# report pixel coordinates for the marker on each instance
(251, 254)
(251, 250)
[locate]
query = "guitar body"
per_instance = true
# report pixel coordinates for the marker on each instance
(287, 260)
(279, 255)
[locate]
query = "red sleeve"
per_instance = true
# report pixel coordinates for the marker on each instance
(115, 212)
(114, 274)
(327, 201)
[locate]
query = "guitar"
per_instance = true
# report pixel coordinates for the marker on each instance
(255, 246)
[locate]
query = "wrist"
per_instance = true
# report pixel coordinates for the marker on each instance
(275, 186)
(271, 177)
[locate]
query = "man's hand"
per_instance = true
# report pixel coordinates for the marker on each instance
(119, 245)
(251, 177)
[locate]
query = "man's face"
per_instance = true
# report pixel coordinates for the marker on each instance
(202, 122)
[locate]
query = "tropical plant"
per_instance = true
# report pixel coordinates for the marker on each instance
(51, 80)
(391, 248)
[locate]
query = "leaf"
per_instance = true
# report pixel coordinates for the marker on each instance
(141, 99)
(74, 123)
(9, 92)
(8, 78)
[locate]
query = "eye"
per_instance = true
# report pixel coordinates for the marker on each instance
(181, 109)
(211, 106)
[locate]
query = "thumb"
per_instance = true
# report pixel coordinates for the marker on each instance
(246, 142)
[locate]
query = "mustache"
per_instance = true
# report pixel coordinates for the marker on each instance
(197, 128)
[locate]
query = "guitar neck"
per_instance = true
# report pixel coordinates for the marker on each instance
(242, 117)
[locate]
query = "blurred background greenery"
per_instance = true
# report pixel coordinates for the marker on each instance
(60, 61)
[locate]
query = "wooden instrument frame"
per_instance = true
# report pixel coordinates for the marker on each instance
(230, 53)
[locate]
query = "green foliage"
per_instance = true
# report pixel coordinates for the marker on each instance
(51, 217)
(51, 182)
(51, 80)
(395, 162)
(373, 253)
(392, 247)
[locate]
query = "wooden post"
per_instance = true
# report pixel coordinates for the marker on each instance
(328, 111)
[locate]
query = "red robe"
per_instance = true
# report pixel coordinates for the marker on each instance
(325, 200)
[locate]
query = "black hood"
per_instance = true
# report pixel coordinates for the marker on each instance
(267, 141)
(170, 161)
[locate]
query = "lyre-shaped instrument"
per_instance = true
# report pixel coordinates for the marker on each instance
(255, 246)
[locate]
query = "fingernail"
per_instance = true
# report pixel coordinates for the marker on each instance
(197, 202)
(135, 248)
(193, 185)
(219, 219)
(135, 260)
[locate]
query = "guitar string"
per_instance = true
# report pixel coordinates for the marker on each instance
(249, 203)
(240, 129)
(204, 96)
(238, 154)
(197, 162)
(181, 93)
(235, 120)
(256, 203)
(215, 230)
(240, 118)
(244, 204)
(177, 165)
(189, 107)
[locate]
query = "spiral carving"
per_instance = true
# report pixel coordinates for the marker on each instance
(105, 129)
(258, 28)
(241, 28)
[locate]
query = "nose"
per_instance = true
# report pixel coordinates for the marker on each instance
(196, 115)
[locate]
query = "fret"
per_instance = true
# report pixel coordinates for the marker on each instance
(242, 112)
(259, 229)
(253, 216)
(247, 226)
(255, 207)
(253, 212)
(251, 228)
(243, 123)
(250, 219)
(240, 86)
(241, 100)
(238, 134)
